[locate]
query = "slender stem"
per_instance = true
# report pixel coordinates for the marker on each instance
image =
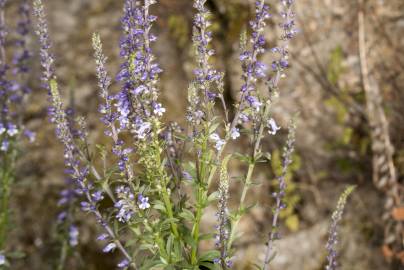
(200, 195)
(63, 255)
(248, 179)
(4, 207)
(273, 233)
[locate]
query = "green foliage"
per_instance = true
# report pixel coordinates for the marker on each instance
(335, 68)
(179, 29)
(339, 108)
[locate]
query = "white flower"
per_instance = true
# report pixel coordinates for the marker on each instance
(143, 202)
(4, 145)
(214, 137)
(2, 259)
(235, 133)
(143, 130)
(272, 127)
(218, 142)
(158, 109)
(12, 129)
(2, 129)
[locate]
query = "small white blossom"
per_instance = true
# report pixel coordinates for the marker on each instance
(4, 145)
(219, 145)
(143, 202)
(2, 259)
(110, 247)
(158, 109)
(272, 127)
(12, 130)
(235, 133)
(214, 137)
(217, 140)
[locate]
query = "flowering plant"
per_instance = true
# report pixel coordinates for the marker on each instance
(14, 91)
(160, 176)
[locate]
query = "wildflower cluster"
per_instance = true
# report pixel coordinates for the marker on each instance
(75, 167)
(13, 76)
(14, 91)
(153, 164)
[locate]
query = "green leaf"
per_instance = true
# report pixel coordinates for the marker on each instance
(209, 256)
(16, 255)
(243, 157)
(213, 196)
(213, 128)
(208, 265)
(159, 205)
(206, 236)
(187, 215)
(169, 221)
(163, 260)
(169, 245)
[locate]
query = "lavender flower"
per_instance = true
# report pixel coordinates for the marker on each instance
(42, 32)
(139, 72)
(104, 81)
(253, 69)
(77, 171)
(272, 127)
(124, 204)
(12, 129)
(22, 56)
(102, 237)
(219, 143)
(332, 241)
(3, 260)
(235, 133)
(206, 75)
(4, 145)
(109, 248)
(143, 202)
(73, 236)
(123, 264)
(187, 176)
(288, 32)
(6, 87)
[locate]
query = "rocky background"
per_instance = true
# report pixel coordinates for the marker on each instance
(324, 86)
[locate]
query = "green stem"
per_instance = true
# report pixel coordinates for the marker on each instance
(195, 229)
(169, 209)
(63, 255)
(6, 180)
(251, 167)
(241, 207)
(201, 195)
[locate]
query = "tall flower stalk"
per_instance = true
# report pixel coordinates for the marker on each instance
(14, 91)
(257, 108)
(279, 195)
(332, 242)
(78, 171)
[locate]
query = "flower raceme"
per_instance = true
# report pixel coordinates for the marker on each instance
(14, 93)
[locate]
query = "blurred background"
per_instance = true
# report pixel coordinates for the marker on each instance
(347, 107)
